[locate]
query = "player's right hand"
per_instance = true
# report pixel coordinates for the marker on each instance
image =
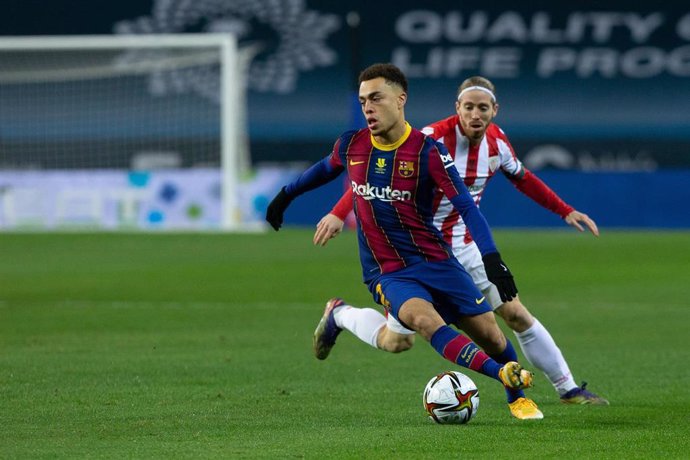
(328, 227)
(498, 273)
(578, 219)
(276, 209)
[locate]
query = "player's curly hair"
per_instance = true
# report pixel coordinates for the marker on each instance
(387, 71)
(477, 80)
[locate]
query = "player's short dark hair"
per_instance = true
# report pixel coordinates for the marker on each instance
(387, 71)
(477, 80)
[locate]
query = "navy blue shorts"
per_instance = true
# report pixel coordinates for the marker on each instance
(445, 284)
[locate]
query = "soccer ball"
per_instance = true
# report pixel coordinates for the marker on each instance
(451, 398)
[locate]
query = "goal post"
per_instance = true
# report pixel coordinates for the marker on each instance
(133, 113)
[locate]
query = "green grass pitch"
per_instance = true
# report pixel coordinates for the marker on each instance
(199, 346)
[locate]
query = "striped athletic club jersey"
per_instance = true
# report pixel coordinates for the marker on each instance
(476, 164)
(394, 188)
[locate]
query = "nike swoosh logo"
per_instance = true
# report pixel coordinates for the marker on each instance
(354, 163)
(478, 301)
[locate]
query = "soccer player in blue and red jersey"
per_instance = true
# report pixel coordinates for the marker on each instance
(410, 269)
(480, 149)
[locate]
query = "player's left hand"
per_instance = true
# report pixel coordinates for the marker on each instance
(577, 219)
(276, 209)
(498, 273)
(328, 227)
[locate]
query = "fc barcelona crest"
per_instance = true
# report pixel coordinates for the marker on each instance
(406, 168)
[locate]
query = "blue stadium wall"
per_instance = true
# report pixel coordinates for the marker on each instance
(656, 200)
(596, 99)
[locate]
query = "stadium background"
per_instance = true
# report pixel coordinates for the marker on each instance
(188, 345)
(596, 100)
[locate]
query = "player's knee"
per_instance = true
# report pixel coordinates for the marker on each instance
(425, 325)
(420, 316)
(516, 315)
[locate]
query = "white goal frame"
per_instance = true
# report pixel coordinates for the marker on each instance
(234, 155)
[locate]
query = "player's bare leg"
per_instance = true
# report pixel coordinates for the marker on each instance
(366, 324)
(394, 342)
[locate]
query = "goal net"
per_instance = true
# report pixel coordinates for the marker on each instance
(122, 132)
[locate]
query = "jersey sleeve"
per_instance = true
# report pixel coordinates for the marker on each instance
(344, 205)
(525, 181)
(540, 193)
(318, 174)
(510, 164)
(446, 176)
(441, 128)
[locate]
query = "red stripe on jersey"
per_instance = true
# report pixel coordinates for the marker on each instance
(359, 141)
(376, 239)
(472, 160)
(444, 132)
(438, 197)
(450, 140)
(468, 236)
(491, 141)
(408, 218)
(449, 191)
(447, 227)
(439, 173)
(443, 127)
(408, 213)
(450, 220)
(374, 236)
(335, 159)
(494, 133)
(344, 205)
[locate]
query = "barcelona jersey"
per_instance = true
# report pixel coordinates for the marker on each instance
(393, 190)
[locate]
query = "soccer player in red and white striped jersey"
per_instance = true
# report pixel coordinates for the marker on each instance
(480, 149)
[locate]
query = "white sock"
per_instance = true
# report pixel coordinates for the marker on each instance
(543, 353)
(365, 323)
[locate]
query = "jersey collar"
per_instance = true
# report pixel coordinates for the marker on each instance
(396, 144)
